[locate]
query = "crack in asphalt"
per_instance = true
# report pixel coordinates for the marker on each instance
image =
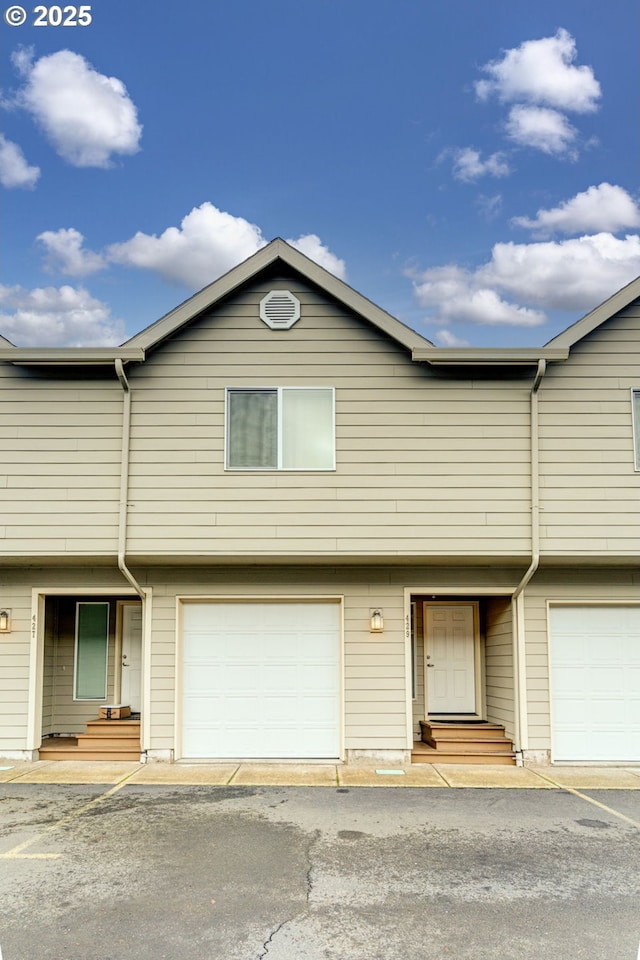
(309, 890)
(269, 940)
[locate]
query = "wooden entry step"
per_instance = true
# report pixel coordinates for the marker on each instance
(104, 740)
(112, 728)
(463, 742)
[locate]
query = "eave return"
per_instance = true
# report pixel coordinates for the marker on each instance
(463, 741)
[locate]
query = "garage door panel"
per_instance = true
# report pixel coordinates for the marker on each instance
(595, 682)
(261, 680)
(317, 709)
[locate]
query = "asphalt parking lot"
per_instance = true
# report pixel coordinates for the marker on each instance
(202, 872)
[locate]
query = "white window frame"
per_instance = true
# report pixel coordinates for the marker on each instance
(279, 391)
(635, 421)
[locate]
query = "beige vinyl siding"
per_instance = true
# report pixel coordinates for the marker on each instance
(60, 472)
(14, 666)
(375, 680)
(499, 676)
(590, 492)
(425, 463)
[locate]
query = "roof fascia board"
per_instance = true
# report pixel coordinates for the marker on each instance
(71, 356)
(277, 249)
(605, 311)
(487, 357)
(205, 298)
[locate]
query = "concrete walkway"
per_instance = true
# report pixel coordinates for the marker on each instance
(322, 775)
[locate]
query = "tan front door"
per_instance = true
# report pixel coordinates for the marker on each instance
(450, 657)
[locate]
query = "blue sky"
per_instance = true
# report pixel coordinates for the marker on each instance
(469, 165)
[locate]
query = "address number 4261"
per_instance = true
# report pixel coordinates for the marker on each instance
(62, 16)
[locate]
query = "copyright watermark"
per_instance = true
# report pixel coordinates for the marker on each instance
(68, 16)
(15, 16)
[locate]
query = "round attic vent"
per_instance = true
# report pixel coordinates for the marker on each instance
(280, 309)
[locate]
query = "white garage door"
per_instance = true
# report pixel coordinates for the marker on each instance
(595, 683)
(261, 680)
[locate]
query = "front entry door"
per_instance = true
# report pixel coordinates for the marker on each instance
(131, 682)
(450, 657)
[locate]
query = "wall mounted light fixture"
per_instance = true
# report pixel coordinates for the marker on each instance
(376, 624)
(5, 620)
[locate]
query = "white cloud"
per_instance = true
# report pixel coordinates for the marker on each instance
(572, 275)
(313, 248)
(456, 295)
(56, 317)
(87, 116)
(599, 208)
(541, 128)
(14, 169)
(468, 165)
(208, 243)
(66, 253)
(542, 72)
(489, 206)
(447, 339)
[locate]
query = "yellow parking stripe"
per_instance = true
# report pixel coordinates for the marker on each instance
(596, 803)
(17, 852)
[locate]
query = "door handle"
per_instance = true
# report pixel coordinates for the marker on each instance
(431, 664)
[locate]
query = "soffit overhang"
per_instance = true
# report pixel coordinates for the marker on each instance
(488, 357)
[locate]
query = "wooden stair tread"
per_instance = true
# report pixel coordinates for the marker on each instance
(104, 740)
(113, 728)
(87, 742)
(89, 755)
(463, 742)
(497, 759)
(73, 752)
(451, 731)
(474, 746)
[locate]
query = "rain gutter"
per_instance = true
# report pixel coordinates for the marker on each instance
(517, 600)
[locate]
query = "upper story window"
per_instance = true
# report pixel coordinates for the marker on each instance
(280, 428)
(635, 399)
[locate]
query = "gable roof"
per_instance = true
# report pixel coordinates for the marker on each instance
(278, 249)
(605, 311)
(422, 350)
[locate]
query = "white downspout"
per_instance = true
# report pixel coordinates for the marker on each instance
(122, 550)
(517, 606)
(124, 482)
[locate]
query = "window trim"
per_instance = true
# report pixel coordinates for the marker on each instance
(88, 603)
(635, 426)
(279, 391)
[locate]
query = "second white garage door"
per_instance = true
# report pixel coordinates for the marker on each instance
(261, 680)
(595, 682)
